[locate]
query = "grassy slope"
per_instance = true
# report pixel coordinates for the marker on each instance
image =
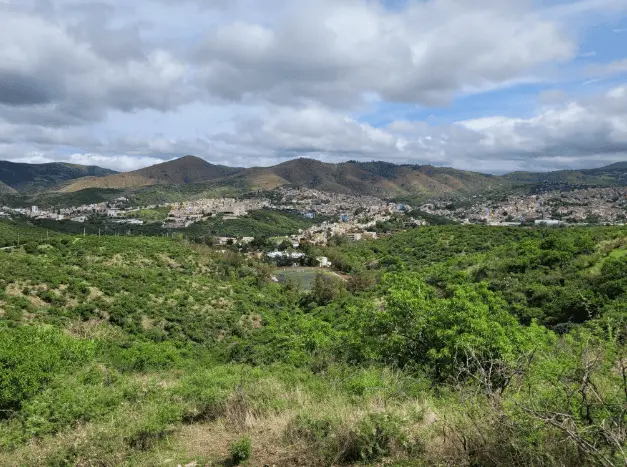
(127, 344)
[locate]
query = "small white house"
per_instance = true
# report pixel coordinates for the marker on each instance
(323, 262)
(548, 222)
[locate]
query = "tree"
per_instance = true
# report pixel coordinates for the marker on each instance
(327, 288)
(461, 335)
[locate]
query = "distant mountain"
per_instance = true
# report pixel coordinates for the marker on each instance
(29, 178)
(615, 166)
(610, 175)
(373, 178)
(381, 179)
(188, 169)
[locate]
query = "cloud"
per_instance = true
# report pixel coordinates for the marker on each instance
(334, 52)
(125, 84)
(577, 133)
(608, 69)
(69, 80)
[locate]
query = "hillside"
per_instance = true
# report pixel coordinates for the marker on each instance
(611, 175)
(6, 189)
(186, 170)
(373, 178)
(191, 175)
(447, 346)
(369, 178)
(38, 177)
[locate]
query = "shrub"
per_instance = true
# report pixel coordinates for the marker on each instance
(241, 450)
(376, 435)
(30, 358)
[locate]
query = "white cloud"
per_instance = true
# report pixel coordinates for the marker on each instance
(334, 52)
(126, 84)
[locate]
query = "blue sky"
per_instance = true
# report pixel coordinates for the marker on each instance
(491, 85)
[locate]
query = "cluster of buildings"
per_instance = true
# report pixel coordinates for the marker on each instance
(591, 205)
(185, 214)
(114, 210)
(314, 203)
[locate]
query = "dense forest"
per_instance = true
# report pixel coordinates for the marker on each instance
(446, 345)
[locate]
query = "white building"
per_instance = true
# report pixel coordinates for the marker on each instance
(323, 262)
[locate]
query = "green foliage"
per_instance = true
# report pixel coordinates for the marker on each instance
(448, 345)
(241, 450)
(29, 360)
(261, 223)
(375, 437)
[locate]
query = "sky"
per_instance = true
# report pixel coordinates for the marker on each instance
(485, 85)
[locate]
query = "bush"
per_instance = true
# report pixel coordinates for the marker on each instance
(241, 450)
(376, 435)
(30, 358)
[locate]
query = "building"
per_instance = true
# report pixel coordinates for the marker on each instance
(283, 254)
(323, 262)
(548, 222)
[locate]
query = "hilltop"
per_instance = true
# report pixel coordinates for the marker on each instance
(371, 178)
(191, 176)
(28, 178)
(188, 169)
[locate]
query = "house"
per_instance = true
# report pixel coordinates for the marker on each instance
(548, 222)
(323, 262)
(282, 254)
(80, 219)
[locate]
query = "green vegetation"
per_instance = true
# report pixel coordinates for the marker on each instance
(29, 178)
(261, 223)
(152, 215)
(302, 278)
(448, 345)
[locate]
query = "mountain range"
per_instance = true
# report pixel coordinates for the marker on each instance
(381, 179)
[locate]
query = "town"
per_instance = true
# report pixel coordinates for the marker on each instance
(584, 206)
(345, 216)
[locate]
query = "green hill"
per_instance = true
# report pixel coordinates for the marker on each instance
(39, 177)
(190, 176)
(377, 178)
(6, 189)
(186, 170)
(446, 346)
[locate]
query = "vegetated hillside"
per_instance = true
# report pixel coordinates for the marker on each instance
(38, 177)
(262, 223)
(5, 189)
(611, 175)
(379, 178)
(188, 169)
(455, 345)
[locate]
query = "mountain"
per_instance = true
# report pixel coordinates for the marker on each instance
(381, 179)
(38, 177)
(188, 169)
(616, 166)
(373, 178)
(610, 175)
(6, 189)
